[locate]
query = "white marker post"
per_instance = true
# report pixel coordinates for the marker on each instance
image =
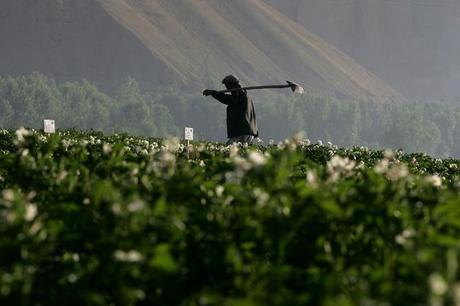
(188, 135)
(49, 126)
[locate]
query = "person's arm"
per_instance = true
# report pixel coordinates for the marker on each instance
(221, 97)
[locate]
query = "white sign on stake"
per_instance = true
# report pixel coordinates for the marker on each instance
(49, 126)
(188, 133)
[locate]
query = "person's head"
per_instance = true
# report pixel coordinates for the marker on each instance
(231, 82)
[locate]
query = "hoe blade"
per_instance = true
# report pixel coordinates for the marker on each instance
(296, 88)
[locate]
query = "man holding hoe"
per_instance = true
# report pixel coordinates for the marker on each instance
(241, 117)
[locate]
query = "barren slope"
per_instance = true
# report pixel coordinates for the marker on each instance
(206, 39)
(188, 42)
(413, 45)
(72, 40)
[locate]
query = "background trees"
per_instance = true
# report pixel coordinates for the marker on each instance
(415, 127)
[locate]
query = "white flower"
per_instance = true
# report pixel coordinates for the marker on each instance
(311, 178)
(129, 256)
(66, 144)
(116, 208)
(338, 167)
(435, 180)
(21, 133)
(438, 285)
(136, 206)
(31, 212)
(233, 150)
(241, 164)
(286, 211)
(453, 166)
(398, 172)
(389, 154)
(106, 148)
(257, 159)
(298, 137)
(61, 176)
(172, 144)
(382, 166)
(219, 190)
(405, 236)
(320, 142)
(8, 195)
(261, 196)
(72, 278)
(408, 233)
(135, 171)
(35, 228)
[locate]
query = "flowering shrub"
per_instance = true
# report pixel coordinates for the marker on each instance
(117, 220)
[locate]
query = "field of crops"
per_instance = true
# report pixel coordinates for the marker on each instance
(88, 219)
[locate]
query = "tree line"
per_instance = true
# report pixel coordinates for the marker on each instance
(414, 127)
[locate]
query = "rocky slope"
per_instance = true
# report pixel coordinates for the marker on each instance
(188, 43)
(413, 45)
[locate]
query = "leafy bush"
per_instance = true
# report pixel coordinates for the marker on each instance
(118, 220)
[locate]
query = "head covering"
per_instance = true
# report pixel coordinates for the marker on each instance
(231, 79)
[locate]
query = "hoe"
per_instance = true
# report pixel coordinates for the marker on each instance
(296, 88)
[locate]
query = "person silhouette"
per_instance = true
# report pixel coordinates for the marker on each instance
(241, 116)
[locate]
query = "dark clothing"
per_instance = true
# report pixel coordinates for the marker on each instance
(241, 117)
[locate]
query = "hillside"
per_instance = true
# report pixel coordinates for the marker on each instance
(413, 45)
(187, 43)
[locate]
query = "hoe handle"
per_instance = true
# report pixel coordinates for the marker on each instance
(255, 87)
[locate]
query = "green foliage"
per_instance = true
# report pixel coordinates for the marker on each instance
(27, 100)
(414, 127)
(133, 113)
(89, 219)
(85, 107)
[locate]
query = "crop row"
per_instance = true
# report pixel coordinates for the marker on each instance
(119, 220)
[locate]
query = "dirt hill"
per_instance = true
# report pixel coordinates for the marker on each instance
(188, 43)
(413, 45)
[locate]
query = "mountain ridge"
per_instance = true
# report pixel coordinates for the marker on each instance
(184, 43)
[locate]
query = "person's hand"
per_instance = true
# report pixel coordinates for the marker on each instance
(208, 92)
